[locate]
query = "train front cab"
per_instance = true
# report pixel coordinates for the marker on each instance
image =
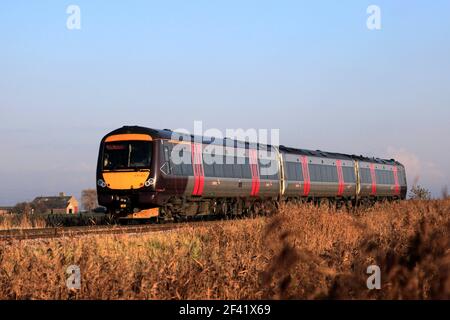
(126, 175)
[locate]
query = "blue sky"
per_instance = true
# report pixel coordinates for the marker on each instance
(309, 68)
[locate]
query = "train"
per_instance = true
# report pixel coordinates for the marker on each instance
(145, 173)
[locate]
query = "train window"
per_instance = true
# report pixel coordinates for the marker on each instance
(320, 172)
(166, 153)
(349, 174)
(208, 169)
(176, 169)
(390, 177)
(325, 173)
(345, 174)
(378, 176)
(290, 171)
(262, 164)
(294, 171)
(264, 168)
(382, 176)
(314, 172)
(368, 175)
(237, 171)
(166, 159)
(269, 170)
(187, 167)
(218, 170)
(332, 173)
(362, 176)
(289, 168)
(262, 172)
(365, 175)
(246, 171)
(228, 170)
(275, 174)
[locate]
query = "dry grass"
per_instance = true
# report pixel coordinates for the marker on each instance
(21, 221)
(301, 253)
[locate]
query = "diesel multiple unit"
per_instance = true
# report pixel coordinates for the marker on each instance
(144, 173)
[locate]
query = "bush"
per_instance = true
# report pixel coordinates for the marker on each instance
(419, 193)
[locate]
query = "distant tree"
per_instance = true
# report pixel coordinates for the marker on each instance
(89, 199)
(445, 193)
(39, 207)
(419, 193)
(22, 208)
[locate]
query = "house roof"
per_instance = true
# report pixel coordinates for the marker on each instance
(54, 202)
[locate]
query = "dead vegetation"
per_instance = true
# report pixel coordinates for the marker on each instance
(303, 252)
(21, 221)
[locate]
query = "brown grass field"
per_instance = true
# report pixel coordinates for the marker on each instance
(303, 252)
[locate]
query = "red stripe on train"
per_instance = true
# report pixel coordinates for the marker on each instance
(201, 171)
(306, 178)
(194, 167)
(197, 166)
(253, 155)
(340, 178)
(397, 185)
(374, 179)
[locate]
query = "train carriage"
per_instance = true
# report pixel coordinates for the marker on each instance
(317, 174)
(380, 179)
(183, 174)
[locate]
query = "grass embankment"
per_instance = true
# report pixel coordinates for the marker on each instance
(303, 252)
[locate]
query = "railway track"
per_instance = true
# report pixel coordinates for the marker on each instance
(73, 231)
(47, 233)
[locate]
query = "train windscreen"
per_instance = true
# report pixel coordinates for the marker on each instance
(126, 155)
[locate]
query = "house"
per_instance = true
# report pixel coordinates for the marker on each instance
(6, 210)
(61, 204)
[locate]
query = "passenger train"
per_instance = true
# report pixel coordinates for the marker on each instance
(140, 175)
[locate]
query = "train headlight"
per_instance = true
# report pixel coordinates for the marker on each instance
(149, 182)
(101, 183)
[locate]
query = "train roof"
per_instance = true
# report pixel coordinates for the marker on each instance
(168, 134)
(336, 155)
(154, 133)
